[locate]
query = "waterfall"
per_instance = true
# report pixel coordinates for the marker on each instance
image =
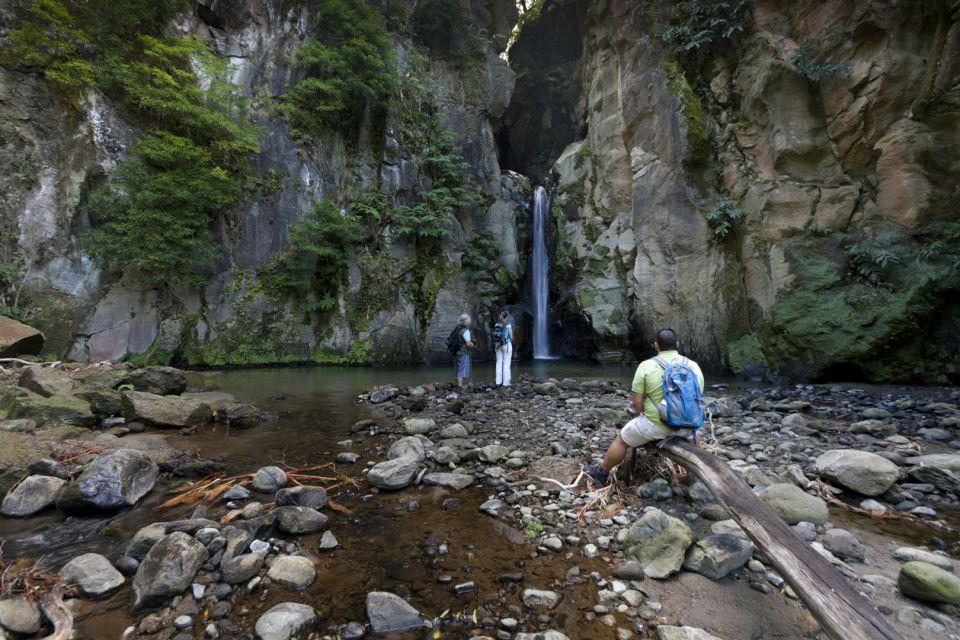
(541, 273)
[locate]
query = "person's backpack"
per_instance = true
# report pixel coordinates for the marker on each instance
(498, 335)
(455, 339)
(681, 407)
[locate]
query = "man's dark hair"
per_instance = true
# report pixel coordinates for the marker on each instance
(666, 339)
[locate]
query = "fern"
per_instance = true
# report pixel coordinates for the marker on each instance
(701, 28)
(722, 218)
(871, 259)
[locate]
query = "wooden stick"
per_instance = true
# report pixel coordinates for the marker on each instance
(57, 613)
(842, 612)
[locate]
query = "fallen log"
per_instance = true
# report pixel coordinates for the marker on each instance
(842, 612)
(57, 612)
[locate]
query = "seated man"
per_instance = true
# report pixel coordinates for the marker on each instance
(647, 393)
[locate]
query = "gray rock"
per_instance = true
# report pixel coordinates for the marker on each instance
(383, 394)
(493, 453)
(241, 568)
(540, 599)
(114, 480)
(659, 542)
(299, 520)
(718, 555)
(547, 389)
(876, 428)
(48, 467)
(168, 569)
(910, 554)
(843, 544)
(454, 431)
(629, 570)
(658, 489)
(394, 474)
(407, 447)
(389, 612)
(541, 635)
(34, 494)
(665, 632)
(794, 504)
(284, 620)
(157, 380)
(928, 583)
(182, 623)
(144, 539)
(269, 479)
(860, 471)
(164, 411)
(295, 572)
(729, 527)
(92, 574)
(456, 481)
(236, 492)
(46, 381)
(305, 496)
(20, 616)
(944, 461)
(422, 426)
(328, 541)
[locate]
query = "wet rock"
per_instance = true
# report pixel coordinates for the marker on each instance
(794, 504)
(658, 542)
(241, 568)
(18, 339)
(942, 479)
(144, 539)
(269, 479)
(114, 480)
(168, 569)
(20, 616)
(860, 471)
(46, 381)
(93, 575)
(928, 583)
(240, 415)
(236, 492)
(305, 496)
(284, 620)
(382, 395)
(910, 554)
(388, 612)
(299, 520)
(33, 494)
(161, 381)
(843, 544)
(393, 474)
(419, 426)
(718, 555)
(665, 632)
(164, 411)
(540, 599)
(407, 447)
(455, 481)
(295, 572)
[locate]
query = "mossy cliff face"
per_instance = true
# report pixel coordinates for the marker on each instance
(394, 303)
(782, 198)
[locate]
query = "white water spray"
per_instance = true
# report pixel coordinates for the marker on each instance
(541, 273)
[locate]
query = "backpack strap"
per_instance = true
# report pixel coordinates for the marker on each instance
(663, 363)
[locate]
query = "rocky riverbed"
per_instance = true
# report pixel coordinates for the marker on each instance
(461, 519)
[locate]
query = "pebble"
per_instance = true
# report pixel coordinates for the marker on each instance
(183, 623)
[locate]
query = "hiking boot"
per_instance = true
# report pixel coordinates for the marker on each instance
(597, 474)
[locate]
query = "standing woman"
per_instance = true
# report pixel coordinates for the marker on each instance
(505, 350)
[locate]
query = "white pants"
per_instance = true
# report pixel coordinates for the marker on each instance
(642, 430)
(504, 354)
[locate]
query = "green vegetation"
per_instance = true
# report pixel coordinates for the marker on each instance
(701, 29)
(880, 260)
(349, 74)
(445, 28)
(310, 269)
(723, 217)
(532, 530)
(746, 353)
(480, 254)
(697, 134)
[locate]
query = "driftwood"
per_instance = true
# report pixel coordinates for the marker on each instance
(57, 612)
(842, 612)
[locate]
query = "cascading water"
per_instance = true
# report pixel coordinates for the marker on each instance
(541, 273)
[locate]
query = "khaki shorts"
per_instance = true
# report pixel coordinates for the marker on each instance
(642, 430)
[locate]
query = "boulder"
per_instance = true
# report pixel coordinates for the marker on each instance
(455, 481)
(547, 389)
(718, 555)
(92, 574)
(240, 415)
(456, 430)
(493, 453)
(382, 394)
(299, 520)
(944, 461)
(161, 381)
(393, 474)
(168, 569)
(665, 632)
(389, 613)
(295, 572)
(18, 339)
(164, 411)
(55, 409)
(910, 554)
(794, 504)
(407, 447)
(659, 542)
(216, 400)
(240, 569)
(20, 616)
(144, 539)
(114, 480)
(419, 426)
(305, 496)
(34, 494)
(269, 479)
(928, 583)
(46, 381)
(103, 400)
(843, 544)
(860, 471)
(284, 620)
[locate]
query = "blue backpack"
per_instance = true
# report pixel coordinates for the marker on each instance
(681, 407)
